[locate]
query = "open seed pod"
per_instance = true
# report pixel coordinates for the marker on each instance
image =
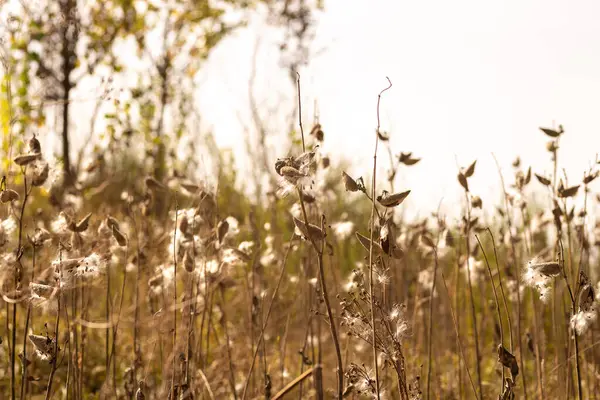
(392, 200)
(309, 231)
(508, 360)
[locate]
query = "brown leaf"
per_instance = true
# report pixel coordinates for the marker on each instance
(383, 136)
(528, 176)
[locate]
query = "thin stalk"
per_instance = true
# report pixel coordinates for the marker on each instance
(470, 287)
(574, 310)
(460, 347)
(430, 334)
(373, 209)
(518, 276)
(487, 263)
(266, 321)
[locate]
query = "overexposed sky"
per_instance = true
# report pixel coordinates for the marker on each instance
(470, 78)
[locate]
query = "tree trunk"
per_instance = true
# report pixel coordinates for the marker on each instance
(69, 39)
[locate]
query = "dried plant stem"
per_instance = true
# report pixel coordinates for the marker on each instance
(487, 263)
(25, 363)
(174, 355)
(462, 353)
(517, 274)
(266, 320)
(332, 324)
(472, 299)
(372, 229)
(227, 346)
(57, 324)
(430, 325)
(573, 310)
(505, 303)
(290, 386)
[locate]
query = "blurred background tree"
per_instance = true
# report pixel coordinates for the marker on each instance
(54, 45)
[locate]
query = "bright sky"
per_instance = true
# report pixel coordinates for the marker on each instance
(470, 78)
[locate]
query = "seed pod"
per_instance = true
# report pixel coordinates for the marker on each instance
(34, 145)
(24, 159)
(544, 181)
(449, 239)
(392, 200)
(309, 231)
(188, 262)
(45, 346)
(307, 198)
(112, 222)
(41, 290)
(8, 195)
(508, 360)
(553, 133)
(82, 225)
(470, 169)
(407, 159)
(387, 240)
(291, 173)
(586, 298)
(183, 225)
(383, 136)
(120, 237)
(550, 269)
(154, 185)
(317, 132)
(349, 183)
(41, 171)
(568, 192)
(476, 202)
(463, 181)
(222, 229)
(76, 241)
